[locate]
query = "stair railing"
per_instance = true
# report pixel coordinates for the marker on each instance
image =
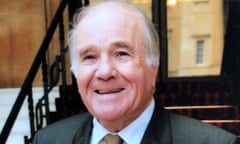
(41, 115)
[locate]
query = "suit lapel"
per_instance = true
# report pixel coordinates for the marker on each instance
(83, 134)
(157, 132)
(159, 128)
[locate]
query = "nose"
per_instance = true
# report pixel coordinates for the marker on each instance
(105, 70)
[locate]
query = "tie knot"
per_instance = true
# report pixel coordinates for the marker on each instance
(112, 139)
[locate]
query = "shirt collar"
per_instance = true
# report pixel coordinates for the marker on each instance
(132, 133)
(98, 132)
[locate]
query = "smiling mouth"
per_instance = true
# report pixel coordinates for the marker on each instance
(109, 92)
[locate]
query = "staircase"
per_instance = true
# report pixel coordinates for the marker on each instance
(21, 127)
(14, 109)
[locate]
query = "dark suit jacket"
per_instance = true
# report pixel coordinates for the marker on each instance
(164, 128)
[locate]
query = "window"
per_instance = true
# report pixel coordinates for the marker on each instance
(195, 46)
(199, 52)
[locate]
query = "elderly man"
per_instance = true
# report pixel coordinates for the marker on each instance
(115, 57)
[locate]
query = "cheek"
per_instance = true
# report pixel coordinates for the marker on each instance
(83, 78)
(135, 77)
(144, 80)
(81, 86)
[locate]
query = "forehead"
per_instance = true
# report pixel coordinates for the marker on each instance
(109, 23)
(110, 9)
(109, 16)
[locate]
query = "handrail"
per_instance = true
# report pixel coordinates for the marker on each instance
(31, 74)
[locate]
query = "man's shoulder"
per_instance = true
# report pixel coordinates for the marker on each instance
(183, 126)
(63, 130)
(71, 122)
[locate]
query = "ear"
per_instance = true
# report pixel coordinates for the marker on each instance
(154, 73)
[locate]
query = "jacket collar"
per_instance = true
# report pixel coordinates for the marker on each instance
(157, 132)
(83, 134)
(159, 128)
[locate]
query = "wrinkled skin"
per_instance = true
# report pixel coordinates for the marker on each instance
(114, 80)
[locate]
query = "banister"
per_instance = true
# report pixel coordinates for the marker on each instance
(31, 74)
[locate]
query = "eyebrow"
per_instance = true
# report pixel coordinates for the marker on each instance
(121, 44)
(124, 45)
(85, 49)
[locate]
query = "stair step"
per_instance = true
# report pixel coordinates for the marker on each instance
(21, 127)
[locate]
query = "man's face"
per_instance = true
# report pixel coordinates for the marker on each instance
(113, 78)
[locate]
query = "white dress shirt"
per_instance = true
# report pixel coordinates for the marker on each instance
(132, 134)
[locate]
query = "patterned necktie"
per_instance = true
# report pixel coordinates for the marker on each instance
(112, 139)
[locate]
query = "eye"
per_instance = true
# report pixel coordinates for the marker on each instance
(122, 53)
(88, 57)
